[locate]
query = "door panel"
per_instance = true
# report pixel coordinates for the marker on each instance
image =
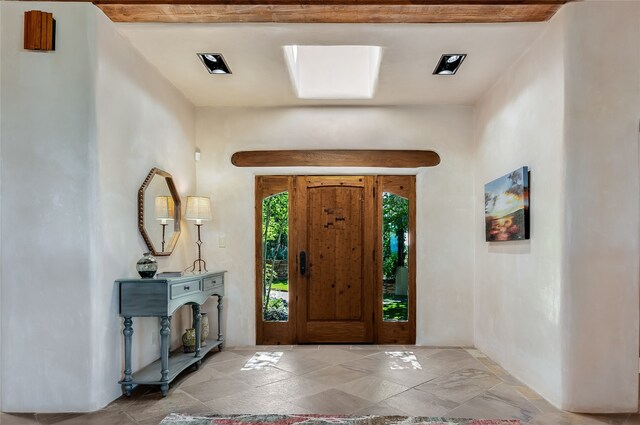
(335, 253)
(336, 292)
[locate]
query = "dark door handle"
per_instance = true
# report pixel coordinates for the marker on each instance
(303, 262)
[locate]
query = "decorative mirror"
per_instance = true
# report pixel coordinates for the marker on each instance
(159, 212)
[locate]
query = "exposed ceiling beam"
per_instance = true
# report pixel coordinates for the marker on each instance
(336, 158)
(330, 11)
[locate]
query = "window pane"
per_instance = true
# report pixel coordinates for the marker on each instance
(275, 258)
(395, 258)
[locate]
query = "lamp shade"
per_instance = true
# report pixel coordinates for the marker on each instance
(164, 208)
(198, 208)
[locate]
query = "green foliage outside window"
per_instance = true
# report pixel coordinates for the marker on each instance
(275, 241)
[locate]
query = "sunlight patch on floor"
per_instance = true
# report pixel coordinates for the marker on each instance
(262, 360)
(403, 360)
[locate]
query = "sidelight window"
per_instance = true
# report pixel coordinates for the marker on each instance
(275, 258)
(395, 257)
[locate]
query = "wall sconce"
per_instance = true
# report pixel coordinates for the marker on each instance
(198, 209)
(164, 212)
(39, 31)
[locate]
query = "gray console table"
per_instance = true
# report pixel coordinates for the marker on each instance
(161, 298)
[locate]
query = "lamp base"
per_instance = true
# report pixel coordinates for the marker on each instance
(200, 264)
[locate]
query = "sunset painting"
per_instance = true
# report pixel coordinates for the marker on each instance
(506, 207)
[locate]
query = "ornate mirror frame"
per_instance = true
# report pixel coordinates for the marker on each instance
(176, 215)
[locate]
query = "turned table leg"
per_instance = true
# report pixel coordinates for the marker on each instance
(197, 325)
(128, 333)
(165, 331)
(220, 321)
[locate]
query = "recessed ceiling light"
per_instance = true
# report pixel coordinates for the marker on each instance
(449, 64)
(214, 62)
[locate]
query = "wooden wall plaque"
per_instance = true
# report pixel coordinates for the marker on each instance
(39, 31)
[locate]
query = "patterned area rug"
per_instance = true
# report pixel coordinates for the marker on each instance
(181, 419)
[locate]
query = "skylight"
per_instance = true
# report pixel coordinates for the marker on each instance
(334, 72)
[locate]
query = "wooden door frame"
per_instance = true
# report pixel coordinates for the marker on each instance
(273, 333)
(396, 332)
(276, 333)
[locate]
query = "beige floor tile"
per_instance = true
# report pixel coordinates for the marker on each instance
(228, 367)
(291, 388)
(380, 409)
(452, 355)
(259, 377)
(223, 356)
(391, 347)
(611, 419)
(337, 379)
(368, 364)
(408, 378)
(18, 419)
(153, 405)
(332, 402)
(219, 387)
(300, 363)
(497, 403)
(363, 347)
(475, 353)
(306, 347)
(336, 356)
(101, 417)
(253, 404)
(461, 385)
(55, 418)
(335, 375)
(372, 388)
(423, 352)
(203, 374)
(419, 403)
(527, 392)
(152, 421)
(544, 406)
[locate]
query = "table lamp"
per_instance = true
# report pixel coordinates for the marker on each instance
(198, 209)
(164, 213)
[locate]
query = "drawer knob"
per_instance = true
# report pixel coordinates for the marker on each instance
(186, 287)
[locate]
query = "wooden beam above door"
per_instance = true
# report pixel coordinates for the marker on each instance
(336, 158)
(330, 11)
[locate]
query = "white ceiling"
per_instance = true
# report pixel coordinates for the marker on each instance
(260, 76)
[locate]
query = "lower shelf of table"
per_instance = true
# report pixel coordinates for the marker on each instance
(178, 361)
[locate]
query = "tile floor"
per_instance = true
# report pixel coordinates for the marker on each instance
(380, 380)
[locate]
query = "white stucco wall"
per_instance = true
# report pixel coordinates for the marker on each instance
(142, 122)
(81, 128)
(518, 290)
(0, 209)
(47, 156)
(444, 199)
(560, 311)
(600, 356)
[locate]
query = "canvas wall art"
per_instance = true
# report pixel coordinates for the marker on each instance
(506, 207)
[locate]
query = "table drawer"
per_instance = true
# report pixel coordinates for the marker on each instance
(182, 289)
(212, 282)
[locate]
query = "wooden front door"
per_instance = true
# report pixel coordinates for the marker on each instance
(333, 220)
